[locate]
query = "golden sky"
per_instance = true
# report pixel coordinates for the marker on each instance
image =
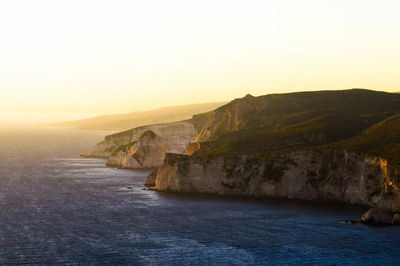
(82, 58)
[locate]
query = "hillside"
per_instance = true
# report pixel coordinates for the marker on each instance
(381, 139)
(298, 120)
(120, 122)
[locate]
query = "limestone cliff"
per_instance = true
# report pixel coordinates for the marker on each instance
(138, 148)
(147, 152)
(323, 175)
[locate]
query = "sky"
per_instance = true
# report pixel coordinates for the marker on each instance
(72, 59)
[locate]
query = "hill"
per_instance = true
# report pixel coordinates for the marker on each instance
(381, 139)
(299, 120)
(120, 122)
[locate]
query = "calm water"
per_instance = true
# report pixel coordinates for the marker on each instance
(57, 208)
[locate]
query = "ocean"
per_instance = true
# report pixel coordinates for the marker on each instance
(57, 208)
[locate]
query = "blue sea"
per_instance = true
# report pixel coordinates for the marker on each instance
(57, 208)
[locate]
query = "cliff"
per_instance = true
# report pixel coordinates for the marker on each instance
(149, 143)
(341, 146)
(147, 152)
(324, 175)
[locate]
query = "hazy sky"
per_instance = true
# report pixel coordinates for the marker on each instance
(80, 58)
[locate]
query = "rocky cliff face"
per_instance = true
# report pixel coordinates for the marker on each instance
(324, 175)
(147, 152)
(146, 146)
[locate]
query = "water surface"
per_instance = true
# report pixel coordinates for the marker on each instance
(57, 208)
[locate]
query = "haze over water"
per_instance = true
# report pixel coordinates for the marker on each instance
(59, 208)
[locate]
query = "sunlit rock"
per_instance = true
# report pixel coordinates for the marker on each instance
(147, 152)
(324, 175)
(377, 216)
(135, 149)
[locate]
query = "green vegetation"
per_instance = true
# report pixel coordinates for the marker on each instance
(381, 139)
(359, 120)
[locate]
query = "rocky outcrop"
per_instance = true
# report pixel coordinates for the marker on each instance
(192, 148)
(151, 179)
(137, 148)
(321, 175)
(378, 216)
(147, 152)
(104, 149)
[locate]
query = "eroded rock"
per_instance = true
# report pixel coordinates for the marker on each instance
(151, 179)
(324, 175)
(377, 216)
(130, 149)
(148, 152)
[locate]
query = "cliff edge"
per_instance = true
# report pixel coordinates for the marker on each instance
(339, 146)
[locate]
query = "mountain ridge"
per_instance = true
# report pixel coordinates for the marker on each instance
(280, 121)
(121, 122)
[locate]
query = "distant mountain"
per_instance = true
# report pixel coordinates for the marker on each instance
(120, 122)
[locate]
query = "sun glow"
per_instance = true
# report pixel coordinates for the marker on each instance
(98, 57)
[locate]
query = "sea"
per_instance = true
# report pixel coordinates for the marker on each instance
(59, 209)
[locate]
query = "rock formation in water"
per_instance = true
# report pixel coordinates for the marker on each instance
(379, 216)
(151, 179)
